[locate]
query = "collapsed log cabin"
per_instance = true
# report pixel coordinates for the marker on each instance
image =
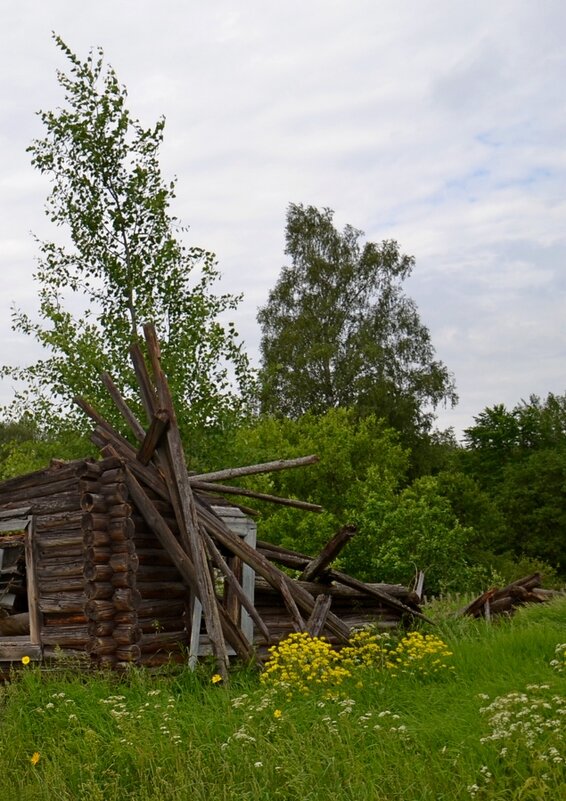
(130, 559)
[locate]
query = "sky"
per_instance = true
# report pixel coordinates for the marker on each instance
(440, 125)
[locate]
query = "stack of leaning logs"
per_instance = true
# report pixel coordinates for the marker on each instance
(505, 600)
(155, 478)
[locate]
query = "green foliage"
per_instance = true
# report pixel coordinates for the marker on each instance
(416, 529)
(519, 458)
(355, 456)
(338, 330)
(25, 448)
(120, 263)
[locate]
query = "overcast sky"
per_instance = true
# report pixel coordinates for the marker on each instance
(440, 124)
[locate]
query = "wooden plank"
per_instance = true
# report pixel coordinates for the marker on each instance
(32, 560)
(13, 649)
(134, 424)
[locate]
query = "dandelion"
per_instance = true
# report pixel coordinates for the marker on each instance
(25, 661)
(277, 713)
(34, 759)
(216, 678)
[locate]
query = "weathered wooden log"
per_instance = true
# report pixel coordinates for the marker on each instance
(162, 589)
(124, 580)
(225, 489)
(72, 470)
(124, 562)
(63, 602)
(97, 556)
(54, 552)
(94, 572)
(330, 551)
(65, 619)
(126, 599)
(292, 607)
(382, 596)
(114, 476)
(157, 608)
(124, 547)
(114, 492)
(265, 569)
(51, 586)
(127, 635)
(249, 470)
(154, 556)
(60, 567)
(96, 503)
(294, 561)
(96, 539)
(95, 522)
(100, 628)
(59, 522)
(98, 590)
(163, 640)
(121, 529)
(50, 504)
(158, 426)
(127, 617)
(317, 620)
(99, 646)
(123, 408)
(235, 587)
(121, 510)
(66, 636)
(99, 609)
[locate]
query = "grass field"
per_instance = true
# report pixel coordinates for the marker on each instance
(490, 725)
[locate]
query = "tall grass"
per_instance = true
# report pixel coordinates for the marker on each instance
(177, 736)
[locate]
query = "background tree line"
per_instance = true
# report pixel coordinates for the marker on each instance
(348, 369)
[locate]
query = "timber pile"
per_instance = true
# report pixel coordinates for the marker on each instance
(146, 492)
(497, 601)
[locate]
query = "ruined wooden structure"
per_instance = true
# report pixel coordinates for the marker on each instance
(130, 559)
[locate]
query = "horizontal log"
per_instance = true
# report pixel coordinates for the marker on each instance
(58, 521)
(65, 619)
(162, 589)
(96, 539)
(60, 567)
(94, 572)
(116, 492)
(124, 562)
(46, 476)
(100, 628)
(121, 529)
(95, 503)
(51, 586)
(127, 635)
(98, 590)
(126, 618)
(264, 589)
(65, 636)
(98, 555)
(124, 547)
(154, 556)
(125, 580)
(89, 485)
(97, 646)
(63, 602)
(114, 476)
(152, 626)
(163, 640)
(120, 510)
(99, 609)
(60, 552)
(126, 599)
(95, 521)
(59, 539)
(157, 608)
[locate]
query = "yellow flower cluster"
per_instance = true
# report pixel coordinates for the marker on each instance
(420, 655)
(365, 649)
(301, 663)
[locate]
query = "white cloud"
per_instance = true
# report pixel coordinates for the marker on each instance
(440, 125)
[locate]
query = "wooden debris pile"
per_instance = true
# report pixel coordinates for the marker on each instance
(177, 508)
(497, 601)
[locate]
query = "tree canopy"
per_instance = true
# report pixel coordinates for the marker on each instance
(120, 262)
(338, 330)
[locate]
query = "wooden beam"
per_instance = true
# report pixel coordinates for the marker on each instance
(330, 551)
(157, 428)
(254, 469)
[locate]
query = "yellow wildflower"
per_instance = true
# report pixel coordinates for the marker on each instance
(26, 661)
(216, 678)
(277, 713)
(34, 759)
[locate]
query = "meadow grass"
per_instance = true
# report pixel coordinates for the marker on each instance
(69, 735)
